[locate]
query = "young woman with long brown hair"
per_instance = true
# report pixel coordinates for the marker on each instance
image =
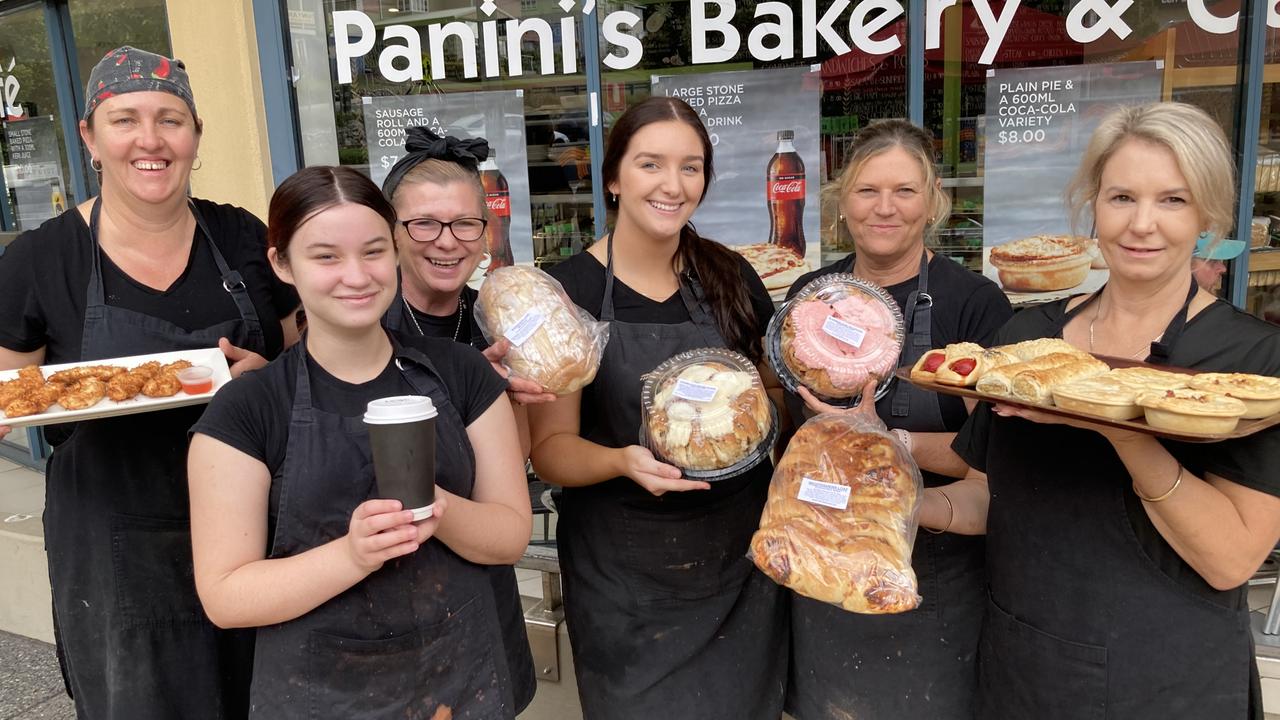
(666, 613)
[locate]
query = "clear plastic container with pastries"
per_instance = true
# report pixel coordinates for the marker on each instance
(553, 342)
(838, 333)
(706, 412)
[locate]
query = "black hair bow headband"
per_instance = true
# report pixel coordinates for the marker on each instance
(421, 144)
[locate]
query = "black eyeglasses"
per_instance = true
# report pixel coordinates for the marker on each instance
(425, 230)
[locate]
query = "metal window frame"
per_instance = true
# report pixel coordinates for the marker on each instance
(284, 137)
(70, 97)
(1253, 38)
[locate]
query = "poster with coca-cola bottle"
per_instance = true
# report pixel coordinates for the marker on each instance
(496, 116)
(497, 198)
(764, 202)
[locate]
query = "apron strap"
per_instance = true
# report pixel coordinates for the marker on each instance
(95, 296)
(695, 301)
(1162, 348)
(606, 305)
(691, 294)
(232, 282)
(919, 314)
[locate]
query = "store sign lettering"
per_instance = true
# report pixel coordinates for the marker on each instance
(713, 37)
(9, 87)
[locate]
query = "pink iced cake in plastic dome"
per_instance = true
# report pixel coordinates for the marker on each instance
(841, 336)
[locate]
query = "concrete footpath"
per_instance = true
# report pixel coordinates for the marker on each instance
(30, 683)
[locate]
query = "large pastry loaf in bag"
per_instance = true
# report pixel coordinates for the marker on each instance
(841, 517)
(553, 342)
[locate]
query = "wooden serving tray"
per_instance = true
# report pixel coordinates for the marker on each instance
(1243, 429)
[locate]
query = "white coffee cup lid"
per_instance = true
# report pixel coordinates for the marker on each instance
(399, 409)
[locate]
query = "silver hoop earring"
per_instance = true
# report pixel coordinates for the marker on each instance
(485, 260)
(199, 164)
(96, 164)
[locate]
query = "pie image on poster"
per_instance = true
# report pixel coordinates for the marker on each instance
(1096, 260)
(777, 266)
(1042, 263)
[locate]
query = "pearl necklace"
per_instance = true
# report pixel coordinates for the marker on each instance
(456, 330)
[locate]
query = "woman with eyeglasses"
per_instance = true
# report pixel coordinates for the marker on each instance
(441, 219)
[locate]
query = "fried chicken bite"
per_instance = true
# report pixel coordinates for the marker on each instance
(34, 402)
(84, 393)
(101, 372)
(163, 384)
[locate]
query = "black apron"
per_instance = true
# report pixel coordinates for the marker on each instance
(1081, 622)
(918, 664)
(410, 640)
(666, 614)
(506, 591)
(133, 639)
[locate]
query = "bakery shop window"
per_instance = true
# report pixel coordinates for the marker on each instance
(1263, 298)
(1012, 108)
(781, 106)
(512, 72)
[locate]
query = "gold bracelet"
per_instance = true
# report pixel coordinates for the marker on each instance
(951, 514)
(1165, 496)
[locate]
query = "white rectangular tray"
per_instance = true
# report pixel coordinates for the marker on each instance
(209, 357)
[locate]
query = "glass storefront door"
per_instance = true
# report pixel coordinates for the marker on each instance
(46, 48)
(37, 177)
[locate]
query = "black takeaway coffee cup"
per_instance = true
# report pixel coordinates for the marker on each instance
(402, 433)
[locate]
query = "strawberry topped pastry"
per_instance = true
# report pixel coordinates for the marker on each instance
(838, 333)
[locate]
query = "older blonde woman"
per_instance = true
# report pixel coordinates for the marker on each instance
(1117, 561)
(918, 664)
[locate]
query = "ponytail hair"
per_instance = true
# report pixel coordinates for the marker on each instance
(716, 267)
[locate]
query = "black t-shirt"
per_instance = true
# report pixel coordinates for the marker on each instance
(44, 277)
(462, 322)
(583, 278)
(1220, 338)
(251, 413)
(967, 307)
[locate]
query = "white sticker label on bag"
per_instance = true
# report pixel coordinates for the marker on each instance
(843, 331)
(525, 327)
(696, 392)
(824, 493)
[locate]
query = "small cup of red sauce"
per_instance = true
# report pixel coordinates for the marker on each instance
(196, 380)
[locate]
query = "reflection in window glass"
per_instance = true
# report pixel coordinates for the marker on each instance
(36, 176)
(104, 25)
(857, 87)
(332, 105)
(1263, 299)
(1196, 67)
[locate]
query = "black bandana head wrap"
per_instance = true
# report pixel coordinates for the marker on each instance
(421, 144)
(128, 69)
